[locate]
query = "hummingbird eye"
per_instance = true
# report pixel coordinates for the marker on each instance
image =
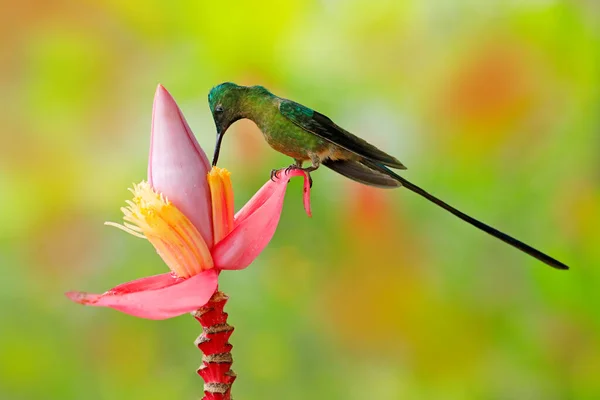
(219, 109)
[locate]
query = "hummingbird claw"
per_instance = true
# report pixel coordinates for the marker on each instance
(306, 170)
(274, 174)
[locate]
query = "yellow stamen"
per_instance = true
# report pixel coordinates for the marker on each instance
(219, 181)
(152, 216)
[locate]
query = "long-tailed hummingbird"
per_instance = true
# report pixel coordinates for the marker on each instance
(307, 135)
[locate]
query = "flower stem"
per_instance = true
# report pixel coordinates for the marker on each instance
(213, 342)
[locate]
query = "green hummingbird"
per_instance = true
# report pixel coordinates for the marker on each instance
(307, 135)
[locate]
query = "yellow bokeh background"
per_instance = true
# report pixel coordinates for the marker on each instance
(494, 106)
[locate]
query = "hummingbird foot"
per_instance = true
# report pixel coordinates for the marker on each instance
(275, 173)
(296, 166)
(307, 170)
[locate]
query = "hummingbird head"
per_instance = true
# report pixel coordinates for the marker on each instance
(223, 101)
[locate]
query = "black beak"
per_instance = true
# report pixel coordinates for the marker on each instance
(217, 147)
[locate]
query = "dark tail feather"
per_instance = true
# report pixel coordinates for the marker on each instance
(374, 174)
(362, 173)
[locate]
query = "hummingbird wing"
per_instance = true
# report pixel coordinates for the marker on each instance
(365, 174)
(320, 125)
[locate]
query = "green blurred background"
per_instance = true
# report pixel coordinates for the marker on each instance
(493, 105)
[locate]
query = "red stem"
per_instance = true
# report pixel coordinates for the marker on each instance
(213, 342)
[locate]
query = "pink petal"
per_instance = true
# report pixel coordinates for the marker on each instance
(155, 297)
(267, 190)
(255, 224)
(177, 165)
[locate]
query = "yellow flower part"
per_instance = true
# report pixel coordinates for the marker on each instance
(152, 216)
(221, 191)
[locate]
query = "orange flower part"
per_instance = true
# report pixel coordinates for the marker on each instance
(221, 191)
(152, 216)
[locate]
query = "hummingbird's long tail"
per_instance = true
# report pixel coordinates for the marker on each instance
(374, 174)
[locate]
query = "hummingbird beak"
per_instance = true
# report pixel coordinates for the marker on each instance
(217, 147)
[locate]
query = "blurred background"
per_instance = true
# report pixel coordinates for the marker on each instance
(493, 106)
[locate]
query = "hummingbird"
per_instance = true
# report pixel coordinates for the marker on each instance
(309, 136)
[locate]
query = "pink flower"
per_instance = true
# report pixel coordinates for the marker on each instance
(186, 211)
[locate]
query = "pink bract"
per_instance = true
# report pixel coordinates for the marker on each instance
(177, 165)
(255, 223)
